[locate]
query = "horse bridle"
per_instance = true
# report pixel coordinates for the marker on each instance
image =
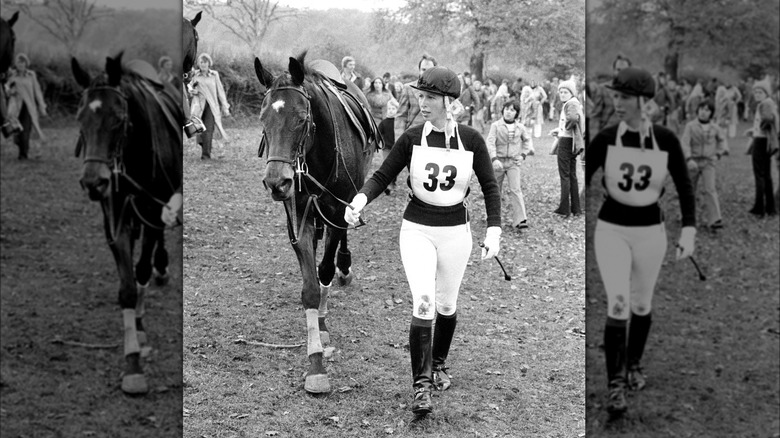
(298, 163)
(115, 163)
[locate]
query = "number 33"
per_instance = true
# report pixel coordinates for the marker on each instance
(645, 172)
(449, 183)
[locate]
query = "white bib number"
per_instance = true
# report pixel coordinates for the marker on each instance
(635, 176)
(440, 176)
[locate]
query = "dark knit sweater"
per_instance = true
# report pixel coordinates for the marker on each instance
(614, 212)
(425, 214)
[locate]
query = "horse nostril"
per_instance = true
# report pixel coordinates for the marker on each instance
(284, 186)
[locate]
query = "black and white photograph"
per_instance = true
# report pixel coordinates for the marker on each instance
(683, 297)
(378, 240)
(90, 340)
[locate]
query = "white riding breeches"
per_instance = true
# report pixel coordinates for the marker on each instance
(629, 260)
(434, 259)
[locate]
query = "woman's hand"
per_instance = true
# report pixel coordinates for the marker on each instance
(491, 243)
(170, 211)
(685, 245)
(352, 211)
(497, 166)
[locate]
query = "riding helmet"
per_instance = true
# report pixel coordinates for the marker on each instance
(634, 81)
(439, 80)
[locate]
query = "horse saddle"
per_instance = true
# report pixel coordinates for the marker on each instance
(352, 100)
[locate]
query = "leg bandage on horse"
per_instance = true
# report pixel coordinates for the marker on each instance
(629, 260)
(131, 336)
(434, 259)
(313, 345)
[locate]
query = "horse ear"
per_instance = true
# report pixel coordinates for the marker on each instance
(195, 20)
(82, 77)
(263, 75)
(296, 71)
(13, 19)
(114, 69)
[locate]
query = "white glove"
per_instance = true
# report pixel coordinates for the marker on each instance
(491, 243)
(497, 166)
(685, 245)
(171, 210)
(692, 166)
(352, 212)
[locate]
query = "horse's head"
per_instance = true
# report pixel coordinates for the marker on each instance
(288, 125)
(8, 39)
(189, 44)
(104, 120)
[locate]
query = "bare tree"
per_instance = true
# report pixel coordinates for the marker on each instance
(249, 20)
(65, 20)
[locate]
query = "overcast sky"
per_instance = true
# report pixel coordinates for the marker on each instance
(363, 5)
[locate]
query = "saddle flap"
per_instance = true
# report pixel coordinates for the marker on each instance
(358, 114)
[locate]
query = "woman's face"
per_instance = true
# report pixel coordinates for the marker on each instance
(758, 94)
(398, 87)
(509, 113)
(167, 66)
(626, 106)
(564, 94)
(203, 64)
(378, 84)
(431, 106)
(350, 66)
(21, 65)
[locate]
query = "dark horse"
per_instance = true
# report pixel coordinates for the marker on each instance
(189, 36)
(131, 141)
(7, 41)
(318, 160)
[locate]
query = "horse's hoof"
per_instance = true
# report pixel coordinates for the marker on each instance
(134, 384)
(317, 384)
(324, 338)
(160, 279)
(344, 280)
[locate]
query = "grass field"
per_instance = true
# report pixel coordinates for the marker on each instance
(713, 354)
(60, 283)
(518, 353)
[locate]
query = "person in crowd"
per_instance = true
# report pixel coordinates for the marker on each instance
(348, 72)
(209, 103)
(165, 72)
(490, 89)
(630, 236)
(508, 144)
(570, 144)
(538, 98)
(469, 99)
(408, 113)
(483, 98)
(703, 143)
(25, 107)
(602, 111)
(435, 239)
(763, 146)
(695, 97)
(379, 100)
(501, 97)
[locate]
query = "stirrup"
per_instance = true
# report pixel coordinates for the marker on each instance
(422, 404)
(442, 380)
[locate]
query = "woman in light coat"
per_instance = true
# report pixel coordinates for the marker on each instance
(209, 103)
(25, 105)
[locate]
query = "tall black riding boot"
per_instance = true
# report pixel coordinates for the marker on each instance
(420, 351)
(615, 352)
(442, 338)
(637, 337)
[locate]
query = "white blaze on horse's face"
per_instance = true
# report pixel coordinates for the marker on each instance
(94, 105)
(279, 104)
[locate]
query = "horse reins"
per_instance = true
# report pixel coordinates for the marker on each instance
(301, 169)
(117, 168)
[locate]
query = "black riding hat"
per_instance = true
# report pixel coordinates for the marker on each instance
(439, 80)
(634, 81)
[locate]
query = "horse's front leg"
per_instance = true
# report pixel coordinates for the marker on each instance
(317, 377)
(325, 272)
(133, 381)
(160, 267)
(344, 262)
(143, 273)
